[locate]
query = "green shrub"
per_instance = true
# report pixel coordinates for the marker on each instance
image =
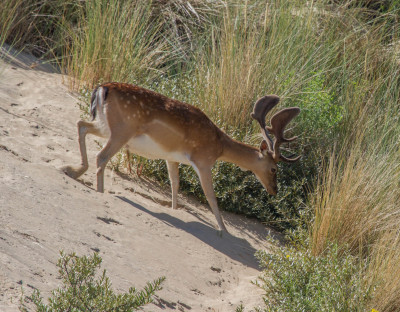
(295, 280)
(320, 112)
(84, 290)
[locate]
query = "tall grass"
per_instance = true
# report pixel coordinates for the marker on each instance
(357, 206)
(9, 20)
(258, 48)
(228, 74)
(357, 199)
(115, 41)
(383, 271)
(34, 26)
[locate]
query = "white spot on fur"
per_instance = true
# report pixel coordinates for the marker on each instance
(125, 106)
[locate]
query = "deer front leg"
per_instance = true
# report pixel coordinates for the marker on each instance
(205, 175)
(173, 172)
(84, 128)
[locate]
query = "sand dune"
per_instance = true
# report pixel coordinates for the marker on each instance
(43, 211)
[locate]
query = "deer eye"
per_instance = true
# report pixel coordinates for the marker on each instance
(273, 170)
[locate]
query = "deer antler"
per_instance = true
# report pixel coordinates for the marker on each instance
(260, 110)
(278, 123)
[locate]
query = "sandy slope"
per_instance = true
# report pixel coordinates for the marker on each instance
(43, 211)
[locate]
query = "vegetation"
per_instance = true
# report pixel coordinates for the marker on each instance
(83, 290)
(302, 282)
(337, 60)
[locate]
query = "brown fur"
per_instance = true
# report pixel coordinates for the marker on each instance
(197, 130)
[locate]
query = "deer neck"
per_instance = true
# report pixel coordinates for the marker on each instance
(239, 153)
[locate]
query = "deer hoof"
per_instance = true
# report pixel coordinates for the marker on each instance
(70, 171)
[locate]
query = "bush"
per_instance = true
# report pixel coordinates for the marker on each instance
(295, 280)
(82, 290)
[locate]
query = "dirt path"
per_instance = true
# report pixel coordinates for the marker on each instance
(131, 225)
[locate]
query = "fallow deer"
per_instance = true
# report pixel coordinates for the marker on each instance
(157, 127)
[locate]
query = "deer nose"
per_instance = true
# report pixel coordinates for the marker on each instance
(273, 191)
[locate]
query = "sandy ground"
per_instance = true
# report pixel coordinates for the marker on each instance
(42, 211)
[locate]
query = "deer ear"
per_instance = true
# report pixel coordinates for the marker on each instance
(264, 147)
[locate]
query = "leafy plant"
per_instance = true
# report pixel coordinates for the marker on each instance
(321, 114)
(83, 290)
(295, 280)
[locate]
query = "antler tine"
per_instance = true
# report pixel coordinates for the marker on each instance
(278, 123)
(260, 110)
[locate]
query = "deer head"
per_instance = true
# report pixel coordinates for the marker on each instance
(270, 148)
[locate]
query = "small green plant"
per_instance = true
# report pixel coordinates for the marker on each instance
(82, 290)
(295, 280)
(320, 112)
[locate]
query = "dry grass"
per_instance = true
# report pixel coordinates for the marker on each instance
(357, 199)
(228, 75)
(115, 42)
(357, 204)
(10, 19)
(384, 270)
(254, 49)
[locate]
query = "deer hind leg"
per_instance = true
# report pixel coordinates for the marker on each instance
(84, 128)
(205, 175)
(114, 144)
(173, 172)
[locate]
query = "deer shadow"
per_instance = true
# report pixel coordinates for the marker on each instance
(238, 249)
